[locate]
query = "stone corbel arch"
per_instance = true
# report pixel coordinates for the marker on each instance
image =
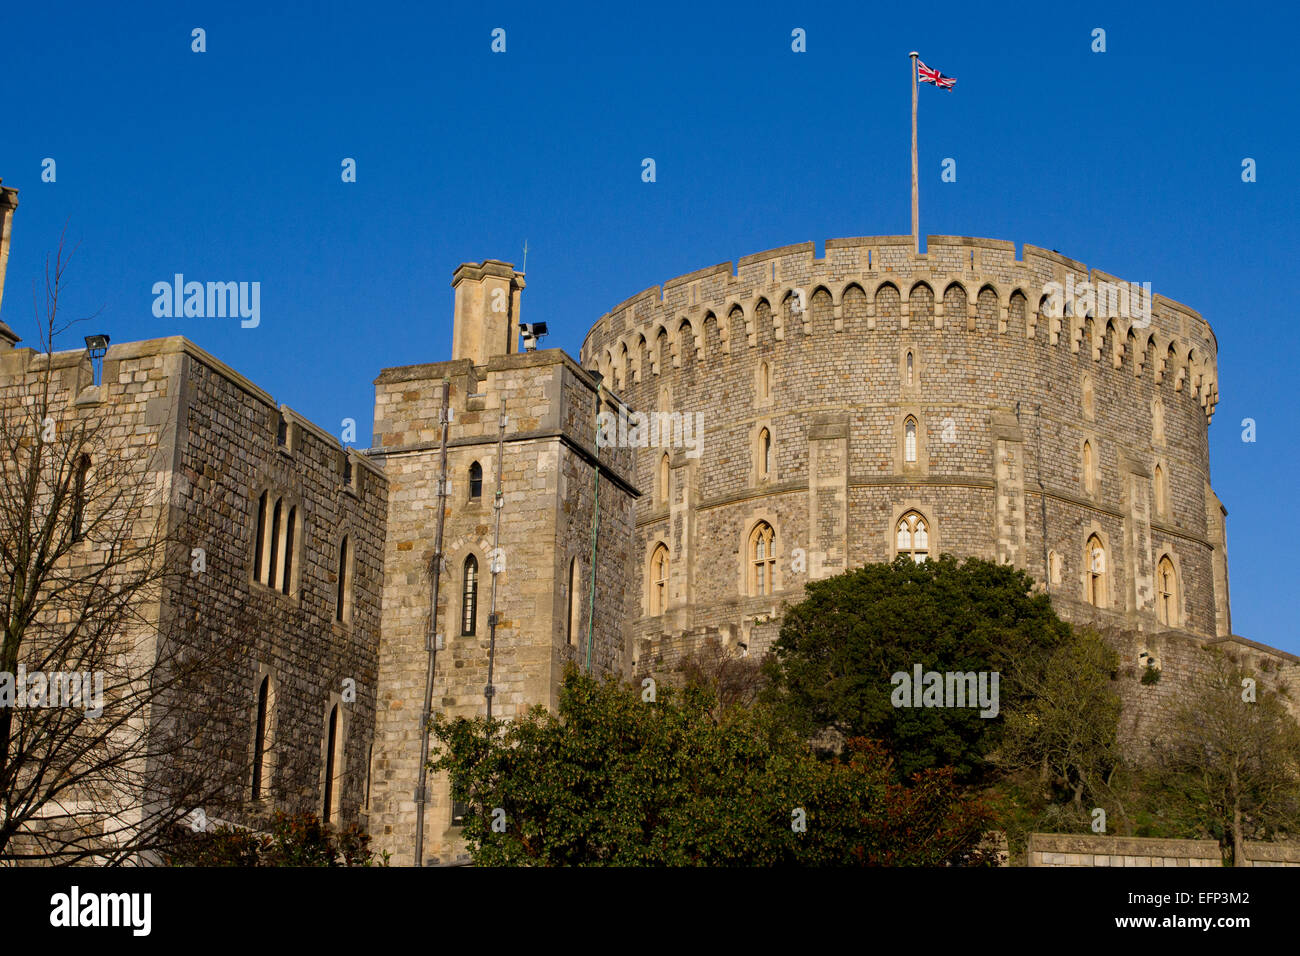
(746, 310)
(936, 304)
(655, 350)
(638, 355)
(772, 313)
(873, 313)
(695, 341)
(940, 306)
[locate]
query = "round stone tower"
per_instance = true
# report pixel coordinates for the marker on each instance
(798, 416)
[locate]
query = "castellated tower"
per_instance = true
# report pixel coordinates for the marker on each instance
(876, 402)
(522, 432)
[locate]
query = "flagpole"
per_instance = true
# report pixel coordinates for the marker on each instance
(916, 215)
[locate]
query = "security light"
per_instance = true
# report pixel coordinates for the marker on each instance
(532, 333)
(96, 346)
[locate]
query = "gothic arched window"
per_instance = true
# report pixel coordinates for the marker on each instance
(469, 597)
(262, 735)
(1167, 592)
(909, 439)
(659, 581)
(1095, 553)
(762, 558)
(476, 480)
(574, 604)
(333, 767)
(343, 596)
(79, 498)
(912, 536)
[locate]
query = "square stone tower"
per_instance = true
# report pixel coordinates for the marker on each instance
(538, 525)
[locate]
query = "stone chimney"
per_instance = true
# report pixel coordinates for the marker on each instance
(487, 310)
(8, 203)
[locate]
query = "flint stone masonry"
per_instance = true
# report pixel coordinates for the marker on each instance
(204, 438)
(1004, 394)
(550, 471)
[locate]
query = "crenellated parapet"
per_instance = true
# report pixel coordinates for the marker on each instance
(961, 284)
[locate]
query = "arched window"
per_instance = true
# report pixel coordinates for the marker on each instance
(764, 382)
(333, 767)
(259, 553)
(764, 454)
(469, 597)
(79, 498)
(1161, 491)
(762, 559)
(1089, 475)
(575, 605)
(659, 581)
(262, 736)
(343, 602)
(476, 481)
(1167, 596)
(909, 439)
(1089, 408)
(911, 373)
(275, 545)
(664, 477)
(1054, 567)
(289, 528)
(912, 536)
(1095, 554)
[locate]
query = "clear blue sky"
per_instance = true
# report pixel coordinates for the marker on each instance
(225, 165)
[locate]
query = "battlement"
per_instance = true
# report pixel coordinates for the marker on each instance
(960, 282)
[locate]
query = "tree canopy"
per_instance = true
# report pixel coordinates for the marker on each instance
(839, 648)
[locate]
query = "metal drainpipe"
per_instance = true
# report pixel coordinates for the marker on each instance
(421, 790)
(1042, 496)
(489, 691)
(595, 528)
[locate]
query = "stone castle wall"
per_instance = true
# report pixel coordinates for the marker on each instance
(995, 377)
(549, 485)
(227, 454)
(199, 441)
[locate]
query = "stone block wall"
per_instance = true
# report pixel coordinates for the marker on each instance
(198, 443)
(1005, 395)
(1069, 849)
(546, 460)
(227, 453)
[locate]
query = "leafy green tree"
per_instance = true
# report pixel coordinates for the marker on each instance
(1067, 728)
(614, 779)
(1231, 757)
(839, 648)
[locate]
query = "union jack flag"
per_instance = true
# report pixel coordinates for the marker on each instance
(928, 75)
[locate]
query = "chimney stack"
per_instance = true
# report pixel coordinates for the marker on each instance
(8, 203)
(486, 311)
